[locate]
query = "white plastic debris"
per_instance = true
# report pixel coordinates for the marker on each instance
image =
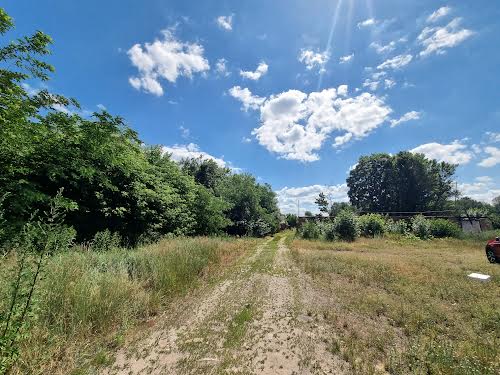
(479, 276)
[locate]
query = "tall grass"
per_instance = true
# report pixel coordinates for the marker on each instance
(87, 299)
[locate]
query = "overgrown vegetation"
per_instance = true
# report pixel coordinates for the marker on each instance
(115, 182)
(406, 306)
(86, 300)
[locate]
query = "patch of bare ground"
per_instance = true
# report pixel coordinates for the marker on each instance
(190, 339)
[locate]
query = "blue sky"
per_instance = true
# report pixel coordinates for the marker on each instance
(291, 91)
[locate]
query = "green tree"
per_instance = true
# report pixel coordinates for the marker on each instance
(403, 182)
(322, 203)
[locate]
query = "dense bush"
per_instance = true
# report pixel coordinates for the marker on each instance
(421, 227)
(105, 241)
(310, 230)
(397, 227)
(372, 225)
(328, 231)
(114, 181)
(346, 226)
(442, 228)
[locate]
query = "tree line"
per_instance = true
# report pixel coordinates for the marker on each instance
(107, 178)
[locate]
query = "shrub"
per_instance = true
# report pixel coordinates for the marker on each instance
(105, 241)
(346, 226)
(442, 228)
(310, 231)
(328, 230)
(397, 227)
(372, 225)
(421, 227)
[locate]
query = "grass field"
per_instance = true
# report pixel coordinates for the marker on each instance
(87, 302)
(407, 306)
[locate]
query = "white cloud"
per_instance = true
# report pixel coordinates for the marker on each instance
(31, 91)
(342, 139)
(295, 125)
(101, 107)
(306, 195)
(346, 59)
(378, 75)
(455, 152)
(438, 39)
(493, 137)
(389, 83)
(166, 58)
(259, 72)
(482, 189)
(248, 100)
(493, 159)
(367, 22)
(191, 150)
(408, 116)
(342, 90)
(371, 84)
(246, 140)
(396, 62)
(225, 22)
(313, 59)
(441, 12)
(221, 68)
(380, 49)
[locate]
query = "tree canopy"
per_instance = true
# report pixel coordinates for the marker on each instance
(404, 182)
(111, 179)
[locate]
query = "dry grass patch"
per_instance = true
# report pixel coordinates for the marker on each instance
(407, 306)
(87, 301)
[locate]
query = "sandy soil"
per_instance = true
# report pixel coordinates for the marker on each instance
(286, 334)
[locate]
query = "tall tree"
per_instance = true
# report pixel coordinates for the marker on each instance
(403, 182)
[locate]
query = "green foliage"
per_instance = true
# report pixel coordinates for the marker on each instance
(421, 227)
(322, 203)
(441, 228)
(41, 237)
(250, 204)
(105, 241)
(310, 230)
(404, 182)
(328, 230)
(346, 226)
(397, 227)
(291, 220)
(372, 225)
(114, 181)
(308, 214)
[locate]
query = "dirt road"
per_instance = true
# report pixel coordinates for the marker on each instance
(262, 318)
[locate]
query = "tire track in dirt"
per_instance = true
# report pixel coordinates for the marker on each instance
(288, 339)
(168, 348)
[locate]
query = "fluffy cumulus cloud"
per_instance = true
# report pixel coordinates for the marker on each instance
(455, 152)
(438, 14)
(493, 159)
(438, 39)
(288, 198)
(257, 74)
(482, 189)
(225, 22)
(166, 58)
(247, 99)
(396, 62)
(191, 150)
(345, 59)
(295, 125)
(408, 116)
(314, 60)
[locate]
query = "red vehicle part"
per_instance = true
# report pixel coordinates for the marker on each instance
(493, 250)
